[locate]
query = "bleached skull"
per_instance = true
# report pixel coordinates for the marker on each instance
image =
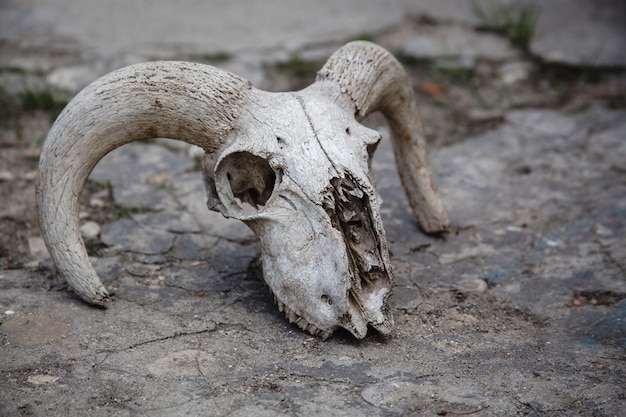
(293, 166)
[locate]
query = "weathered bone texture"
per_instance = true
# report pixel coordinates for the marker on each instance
(293, 166)
(376, 81)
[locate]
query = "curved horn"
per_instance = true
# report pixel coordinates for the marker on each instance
(376, 81)
(191, 102)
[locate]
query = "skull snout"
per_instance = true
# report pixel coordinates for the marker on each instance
(323, 252)
(349, 207)
(304, 264)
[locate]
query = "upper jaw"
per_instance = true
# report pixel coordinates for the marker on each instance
(368, 308)
(366, 262)
(301, 321)
(355, 320)
(337, 243)
(350, 208)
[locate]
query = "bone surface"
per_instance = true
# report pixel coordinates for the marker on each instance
(293, 166)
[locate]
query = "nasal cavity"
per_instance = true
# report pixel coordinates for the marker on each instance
(326, 299)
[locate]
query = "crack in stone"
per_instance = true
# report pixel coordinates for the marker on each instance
(159, 339)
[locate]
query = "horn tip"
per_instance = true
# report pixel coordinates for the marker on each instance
(98, 297)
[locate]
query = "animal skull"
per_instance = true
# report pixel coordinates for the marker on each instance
(293, 166)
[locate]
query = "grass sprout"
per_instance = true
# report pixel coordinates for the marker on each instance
(516, 19)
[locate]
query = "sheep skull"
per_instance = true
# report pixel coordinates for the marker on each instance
(293, 166)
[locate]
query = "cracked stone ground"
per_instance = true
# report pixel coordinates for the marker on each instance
(519, 311)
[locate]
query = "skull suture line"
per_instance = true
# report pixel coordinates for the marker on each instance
(293, 166)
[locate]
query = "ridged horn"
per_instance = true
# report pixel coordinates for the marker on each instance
(194, 103)
(376, 81)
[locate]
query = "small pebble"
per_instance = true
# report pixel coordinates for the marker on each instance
(96, 202)
(473, 285)
(90, 230)
(551, 243)
(159, 179)
(42, 379)
(514, 72)
(30, 175)
(195, 152)
(9, 312)
(483, 116)
(603, 231)
(6, 176)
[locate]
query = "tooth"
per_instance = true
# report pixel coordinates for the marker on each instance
(301, 321)
(292, 316)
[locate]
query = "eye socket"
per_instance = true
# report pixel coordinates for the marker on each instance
(250, 177)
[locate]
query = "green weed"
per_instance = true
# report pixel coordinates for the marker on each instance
(12, 107)
(214, 58)
(517, 19)
(41, 100)
(128, 211)
(7, 108)
(95, 249)
(297, 67)
(409, 60)
(364, 36)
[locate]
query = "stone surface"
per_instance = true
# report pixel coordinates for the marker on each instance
(441, 41)
(573, 32)
(74, 43)
(519, 311)
(34, 330)
(128, 235)
(582, 32)
(218, 26)
(80, 41)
